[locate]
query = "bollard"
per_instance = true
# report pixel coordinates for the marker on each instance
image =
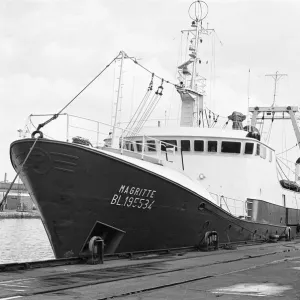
(211, 241)
(288, 234)
(96, 249)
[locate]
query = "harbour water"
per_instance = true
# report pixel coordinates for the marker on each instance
(23, 240)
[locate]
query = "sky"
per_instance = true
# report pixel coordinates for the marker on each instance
(50, 49)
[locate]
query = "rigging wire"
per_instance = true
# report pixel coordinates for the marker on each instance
(149, 109)
(176, 70)
(206, 118)
(225, 125)
(140, 108)
(113, 96)
(270, 130)
(133, 92)
(136, 62)
(215, 113)
(57, 114)
(34, 126)
(278, 172)
(286, 166)
(186, 47)
(212, 70)
(180, 57)
(2, 203)
(134, 119)
(215, 121)
(281, 168)
(289, 161)
(287, 149)
(261, 128)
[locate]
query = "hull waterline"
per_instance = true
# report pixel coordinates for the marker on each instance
(82, 192)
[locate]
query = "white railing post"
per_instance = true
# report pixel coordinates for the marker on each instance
(67, 127)
(159, 145)
(122, 141)
(235, 207)
(97, 134)
(143, 147)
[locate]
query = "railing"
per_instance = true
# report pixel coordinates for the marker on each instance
(99, 135)
(235, 207)
(150, 149)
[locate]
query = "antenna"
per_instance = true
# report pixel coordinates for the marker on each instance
(114, 142)
(198, 11)
(248, 92)
(192, 84)
(276, 78)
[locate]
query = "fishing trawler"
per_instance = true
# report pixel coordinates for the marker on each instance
(161, 188)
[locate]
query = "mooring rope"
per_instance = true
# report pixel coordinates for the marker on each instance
(56, 115)
(12, 183)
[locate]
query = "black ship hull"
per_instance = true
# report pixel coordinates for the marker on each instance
(83, 192)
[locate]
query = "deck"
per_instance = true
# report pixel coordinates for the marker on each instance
(269, 269)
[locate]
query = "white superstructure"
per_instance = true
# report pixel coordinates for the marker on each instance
(231, 166)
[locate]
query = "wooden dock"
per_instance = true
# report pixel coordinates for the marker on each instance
(19, 214)
(270, 270)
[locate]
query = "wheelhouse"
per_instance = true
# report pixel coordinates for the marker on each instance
(201, 146)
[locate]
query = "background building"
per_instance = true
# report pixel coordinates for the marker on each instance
(18, 197)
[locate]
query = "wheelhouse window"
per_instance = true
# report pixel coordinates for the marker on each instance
(249, 148)
(231, 147)
(199, 146)
(129, 146)
(151, 146)
(168, 144)
(257, 149)
(185, 145)
(139, 145)
(212, 146)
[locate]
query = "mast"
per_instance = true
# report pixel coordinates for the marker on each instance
(191, 87)
(276, 78)
(114, 138)
(192, 84)
(248, 104)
